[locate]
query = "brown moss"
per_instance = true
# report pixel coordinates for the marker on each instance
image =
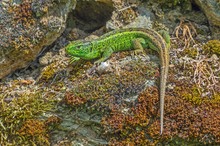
(35, 130)
(189, 115)
(193, 119)
(185, 120)
(23, 45)
(191, 111)
(33, 127)
(52, 120)
(22, 13)
(132, 127)
(71, 99)
(135, 138)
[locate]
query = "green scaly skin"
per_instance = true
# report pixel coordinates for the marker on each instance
(127, 39)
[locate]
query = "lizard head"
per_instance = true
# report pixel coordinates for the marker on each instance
(79, 49)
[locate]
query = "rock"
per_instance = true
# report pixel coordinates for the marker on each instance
(25, 27)
(211, 8)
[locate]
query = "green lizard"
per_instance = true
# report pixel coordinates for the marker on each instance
(127, 39)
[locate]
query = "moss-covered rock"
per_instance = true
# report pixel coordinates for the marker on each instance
(27, 26)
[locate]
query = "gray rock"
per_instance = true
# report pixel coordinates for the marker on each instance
(211, 8)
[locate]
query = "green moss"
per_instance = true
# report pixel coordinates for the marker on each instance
(212, 47)
(190, 52)
(176, 141)
(185, 4)
(194, 94)
(48, 72)
(16, 112)
(216, 98)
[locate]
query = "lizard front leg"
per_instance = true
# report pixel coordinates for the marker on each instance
(73, 59)
(105, 55)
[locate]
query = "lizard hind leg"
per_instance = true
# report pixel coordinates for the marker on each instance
(166, 37)
(138, 45)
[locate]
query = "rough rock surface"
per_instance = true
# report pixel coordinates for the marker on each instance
(26, 26)
(211, 8)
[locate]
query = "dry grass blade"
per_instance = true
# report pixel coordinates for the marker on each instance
(204, 74)
(185, 32)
